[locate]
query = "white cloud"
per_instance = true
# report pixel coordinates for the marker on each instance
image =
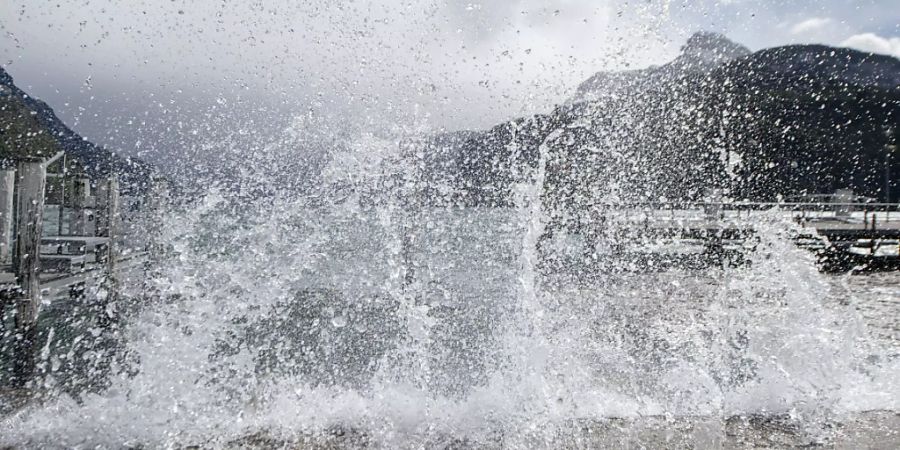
(810, 25)
(870, 42)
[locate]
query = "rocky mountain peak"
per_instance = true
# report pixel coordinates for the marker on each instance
(706, 50)
(702, 53)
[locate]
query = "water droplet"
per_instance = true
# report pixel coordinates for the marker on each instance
(339, 321)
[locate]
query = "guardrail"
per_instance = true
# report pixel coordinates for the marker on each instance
(752, 206)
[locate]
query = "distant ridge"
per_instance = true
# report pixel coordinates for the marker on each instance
(701, 54)
(97, 161)
(817, 64)
(763, 126)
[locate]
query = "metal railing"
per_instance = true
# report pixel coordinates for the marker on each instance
(868, 213)
(752, 206)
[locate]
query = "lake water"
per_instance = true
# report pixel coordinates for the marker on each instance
(377, 327)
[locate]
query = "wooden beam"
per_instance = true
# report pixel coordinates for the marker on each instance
(53, 158)
(32, 178)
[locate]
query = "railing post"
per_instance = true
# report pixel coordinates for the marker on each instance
(713, 207)
(157, 202)
(7, 189)
(80, 196)
(61, 214)
(107, 220)
(107, 207)
(32, 180)
(843, 198)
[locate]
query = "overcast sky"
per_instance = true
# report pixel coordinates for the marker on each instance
(143, 76)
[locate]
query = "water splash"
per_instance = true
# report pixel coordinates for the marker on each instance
(349, 312)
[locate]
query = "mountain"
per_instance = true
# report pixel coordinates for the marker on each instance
(25, 120)
(816, 64)
(759, 126)
(812, 119)
(701, 54)
(21, 133)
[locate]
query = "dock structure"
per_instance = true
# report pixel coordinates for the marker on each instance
(41, 264)
(31, 178)
(7, 190)
(853, 218)
(854, 231)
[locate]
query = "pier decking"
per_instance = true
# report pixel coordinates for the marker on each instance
(861, 220)
(843, 235)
